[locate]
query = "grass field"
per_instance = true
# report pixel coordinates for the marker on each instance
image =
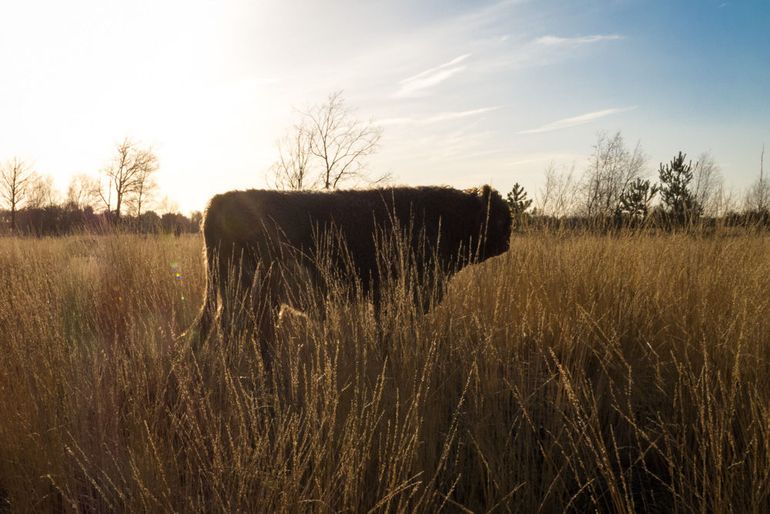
(574, 373)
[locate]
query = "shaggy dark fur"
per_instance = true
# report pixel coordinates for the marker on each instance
(255, 239)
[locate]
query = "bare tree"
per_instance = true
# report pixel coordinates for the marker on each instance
(145, 190)
(40, 192)
(166, 205)
(15, 177)
(557, 197)
(83, 191)
(612, 168)
(327, 148)
(758, 195)
(292, 169)
(103, 192)
(127, 174)
(724, 201)
(707, 180)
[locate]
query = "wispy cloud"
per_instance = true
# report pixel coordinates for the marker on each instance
(577, 120)
(553, 41)
(417, 84)
(542, 157)
(437, 118)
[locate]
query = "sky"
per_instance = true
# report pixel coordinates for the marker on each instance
(467, 93)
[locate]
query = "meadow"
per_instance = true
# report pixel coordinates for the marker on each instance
(576, 372)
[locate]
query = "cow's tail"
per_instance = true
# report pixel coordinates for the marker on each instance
(201, 328)
(208, 314)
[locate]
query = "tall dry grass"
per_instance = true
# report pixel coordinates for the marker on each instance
(611, 374)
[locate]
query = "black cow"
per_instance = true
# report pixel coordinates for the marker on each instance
(260, 244)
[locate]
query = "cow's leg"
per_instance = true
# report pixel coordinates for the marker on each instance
(264, 304)
(236, 277)
(208, 312)
(266, 334)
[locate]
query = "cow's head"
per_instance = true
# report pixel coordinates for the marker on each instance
(495, 221)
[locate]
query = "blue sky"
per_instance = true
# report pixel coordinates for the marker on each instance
(467, 92)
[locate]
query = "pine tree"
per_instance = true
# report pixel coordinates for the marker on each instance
(517, 199)
(678, 199)
(518, 202)
(635, 200)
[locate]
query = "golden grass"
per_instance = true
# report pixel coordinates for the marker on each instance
(575, 373)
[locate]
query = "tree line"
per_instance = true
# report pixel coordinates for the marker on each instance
(121, 196)
(328, 148)
(615, 190)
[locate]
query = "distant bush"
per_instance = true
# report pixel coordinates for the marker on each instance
(61, 220)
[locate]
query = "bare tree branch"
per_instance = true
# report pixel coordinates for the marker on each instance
(707, 180)
(41, 192)
(758, 195)
(83, 191)
(292, 169)
(612, 168)
(559, 192)
(15, 179)
(128, 175)
(327, 148)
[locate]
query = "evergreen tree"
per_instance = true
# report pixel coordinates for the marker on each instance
(678, 199)
(635, 200)
(518, 203)
(517, 199)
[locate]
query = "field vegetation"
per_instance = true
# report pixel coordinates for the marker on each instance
(577, 372)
